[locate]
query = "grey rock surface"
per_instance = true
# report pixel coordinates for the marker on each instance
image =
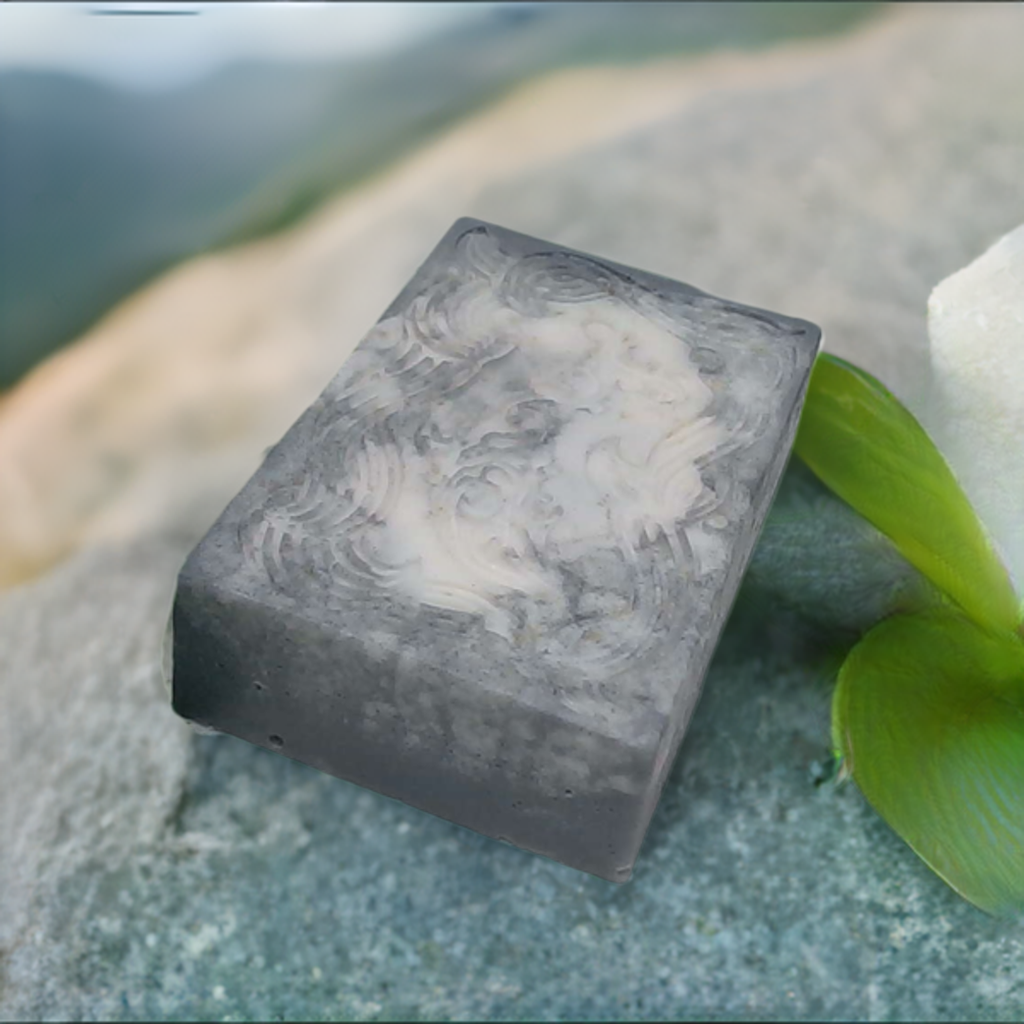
(149, 872)
(160, 874)
(819, 558)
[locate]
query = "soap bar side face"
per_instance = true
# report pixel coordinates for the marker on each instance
(525, 503)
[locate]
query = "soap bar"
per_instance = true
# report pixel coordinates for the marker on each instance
(484, 573)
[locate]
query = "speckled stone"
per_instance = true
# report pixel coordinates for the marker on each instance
(485, 572)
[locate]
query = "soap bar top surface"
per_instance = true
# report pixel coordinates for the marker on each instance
(533, 487)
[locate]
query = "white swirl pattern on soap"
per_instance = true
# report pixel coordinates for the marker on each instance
(534, 441)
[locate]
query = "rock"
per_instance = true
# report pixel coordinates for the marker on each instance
(152, 873)
(797, 180)
(818, 557)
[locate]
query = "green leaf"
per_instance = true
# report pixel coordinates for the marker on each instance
(865, 446)
(929, 719)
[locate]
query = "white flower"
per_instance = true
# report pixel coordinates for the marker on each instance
(975, 407)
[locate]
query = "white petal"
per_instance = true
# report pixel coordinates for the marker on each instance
(976, 409)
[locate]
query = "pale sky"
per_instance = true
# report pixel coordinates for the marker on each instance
(149, 49)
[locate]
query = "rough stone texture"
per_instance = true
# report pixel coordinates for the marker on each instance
(160, 874)
(147, 872)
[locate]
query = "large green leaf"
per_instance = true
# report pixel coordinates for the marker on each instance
(865, 446)
(928, 717)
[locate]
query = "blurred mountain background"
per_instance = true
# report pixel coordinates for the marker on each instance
(104, 183)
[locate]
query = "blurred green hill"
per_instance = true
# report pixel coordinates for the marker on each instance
(101, 188)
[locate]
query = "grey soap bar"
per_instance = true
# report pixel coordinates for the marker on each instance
(485, 571)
